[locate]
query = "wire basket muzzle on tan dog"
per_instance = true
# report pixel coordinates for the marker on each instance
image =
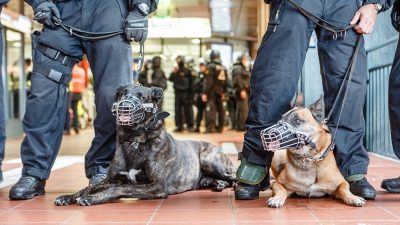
(282, 135)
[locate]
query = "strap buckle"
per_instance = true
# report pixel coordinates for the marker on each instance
(55, 75)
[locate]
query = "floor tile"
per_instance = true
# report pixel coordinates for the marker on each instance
(273, 215)
(193, 215)
(352, 214)
(109, 216)
(47, 216)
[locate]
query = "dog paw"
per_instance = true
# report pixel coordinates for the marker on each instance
(64, 200)
(275, 202)
(218, 185)
(84, 201)
(356, 201)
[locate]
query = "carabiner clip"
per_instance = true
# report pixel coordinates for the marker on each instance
(140, 62)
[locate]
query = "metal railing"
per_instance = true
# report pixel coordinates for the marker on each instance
(377, 137)
(377, 116)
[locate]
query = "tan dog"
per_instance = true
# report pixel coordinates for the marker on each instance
(309, 171)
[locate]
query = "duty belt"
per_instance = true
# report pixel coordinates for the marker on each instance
(57, 55)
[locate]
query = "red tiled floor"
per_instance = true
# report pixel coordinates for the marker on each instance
(110, 215)
(196, 207)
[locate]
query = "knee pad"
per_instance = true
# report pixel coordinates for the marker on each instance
(249, 173)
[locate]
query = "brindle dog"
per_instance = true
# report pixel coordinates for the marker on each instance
(150, 164)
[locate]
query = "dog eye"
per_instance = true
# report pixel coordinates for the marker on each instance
(297, 121)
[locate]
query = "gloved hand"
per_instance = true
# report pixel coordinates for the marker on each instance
(44, 13)
(136, 27)
(395, 15)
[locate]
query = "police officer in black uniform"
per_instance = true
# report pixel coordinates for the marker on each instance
(241, 89)
(2, 114)
(274, 79)
(215, 88)
(56, 51)
(393, 185)
(198, 88)
(153, 75)
(182, 79)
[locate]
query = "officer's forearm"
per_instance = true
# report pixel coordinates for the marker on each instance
(386, 4)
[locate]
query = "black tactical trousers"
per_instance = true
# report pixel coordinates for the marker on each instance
(110, 61)
(394, 102)
(183, 109)
(215, 113)
(200, 105)
(276, 72)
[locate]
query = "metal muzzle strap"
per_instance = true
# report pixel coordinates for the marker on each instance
(130, 110)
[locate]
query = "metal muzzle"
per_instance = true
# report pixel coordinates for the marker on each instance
(129, 110)
(283, 136)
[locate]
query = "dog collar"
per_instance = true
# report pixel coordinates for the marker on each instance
(323, 155)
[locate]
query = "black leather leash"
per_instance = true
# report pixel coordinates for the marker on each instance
(337, 31)
(94, 36)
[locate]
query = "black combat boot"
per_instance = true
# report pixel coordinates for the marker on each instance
(391, 185)
(250, 192)
(363, 189)
(27, 187)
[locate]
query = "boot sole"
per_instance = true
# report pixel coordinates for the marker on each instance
(391, 190)
(25, 196)
(246, 196)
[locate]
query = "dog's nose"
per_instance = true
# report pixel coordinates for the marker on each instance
(273, 146)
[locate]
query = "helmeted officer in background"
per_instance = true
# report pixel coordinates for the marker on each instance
(241, 91)
(182, 79)
(56, 51)
(153, 75)
(215, 88)
(2, 113)
(198, 89)
(274, 79)
(393, 185)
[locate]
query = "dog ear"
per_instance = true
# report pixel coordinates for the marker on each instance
(121, 91)
(318, 109)
(299, 102)
(156, 94)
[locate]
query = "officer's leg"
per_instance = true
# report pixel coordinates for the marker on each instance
(46, 105)
(199, 113)
(188, 109)
(178, 112)
(111, 63)
(210, 113)
(2, 115)
(273, 84)
(221, 113)
(393, 185)
(335, 56)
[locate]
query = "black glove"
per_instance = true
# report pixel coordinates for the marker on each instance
(136, 27)
(44, 13)
(395, 15)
